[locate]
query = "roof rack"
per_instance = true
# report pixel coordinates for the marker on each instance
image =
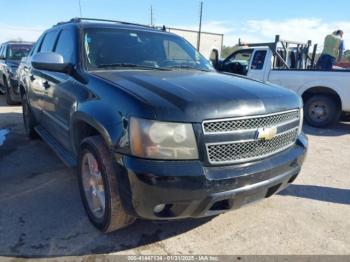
(301, 49)
(80, 19)
(17, 42)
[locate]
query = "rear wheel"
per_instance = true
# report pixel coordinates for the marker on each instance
(98, 186)
(28, 119)
(321, 111)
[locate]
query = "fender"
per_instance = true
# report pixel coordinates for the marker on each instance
(107, 123)
(327, 84)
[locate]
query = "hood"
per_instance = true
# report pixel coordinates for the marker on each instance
(13, 63)
(193, 96)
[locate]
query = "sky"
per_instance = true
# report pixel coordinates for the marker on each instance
(252, 21)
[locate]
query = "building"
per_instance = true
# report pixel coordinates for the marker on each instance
(208, 40)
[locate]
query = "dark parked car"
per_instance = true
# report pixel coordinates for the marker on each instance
(11, 54)
(154, 130)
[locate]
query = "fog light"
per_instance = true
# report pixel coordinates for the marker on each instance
(159, 208)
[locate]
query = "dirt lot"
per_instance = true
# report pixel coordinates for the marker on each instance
(41, 214)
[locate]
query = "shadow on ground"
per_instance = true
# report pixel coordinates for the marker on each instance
(339, 129)
(41, 214)
(320, 193)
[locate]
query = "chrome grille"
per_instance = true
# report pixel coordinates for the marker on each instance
(238, 152)
(249, 123)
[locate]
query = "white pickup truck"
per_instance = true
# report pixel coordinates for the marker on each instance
(326, 94)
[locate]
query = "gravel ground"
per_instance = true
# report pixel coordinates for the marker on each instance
(41, 214)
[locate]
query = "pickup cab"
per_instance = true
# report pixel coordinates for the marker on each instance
(326, 94)
(152, 129)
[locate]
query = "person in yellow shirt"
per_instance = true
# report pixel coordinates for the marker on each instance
(332, 51)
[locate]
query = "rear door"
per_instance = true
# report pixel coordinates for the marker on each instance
(61, 90)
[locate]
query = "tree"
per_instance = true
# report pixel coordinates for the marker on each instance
(347, 55)
(227, 50)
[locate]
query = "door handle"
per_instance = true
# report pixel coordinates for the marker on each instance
(46, 85)
(32, 78)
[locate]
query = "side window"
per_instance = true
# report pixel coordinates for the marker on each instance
(3, 51)
(32, 50)
(1, 48)
(65, 45)
(37, 45)
(258, 60)
(241, 57)
(48, 42)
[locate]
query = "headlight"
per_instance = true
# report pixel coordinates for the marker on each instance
(301, 120)
(162, 140)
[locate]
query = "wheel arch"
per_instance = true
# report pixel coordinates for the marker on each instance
(84, 125)
(323, 90)
(22, 90)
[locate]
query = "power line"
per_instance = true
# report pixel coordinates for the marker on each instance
(80, 11)
(151, 15)
(200, 26)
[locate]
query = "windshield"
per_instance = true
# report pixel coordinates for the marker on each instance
(16, 52)
(113, 48)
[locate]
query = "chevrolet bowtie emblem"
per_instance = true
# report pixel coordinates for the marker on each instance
(266, 133)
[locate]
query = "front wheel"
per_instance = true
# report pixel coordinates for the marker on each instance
(321, 111)
(9, 99)
(98, 186)
(28, 118)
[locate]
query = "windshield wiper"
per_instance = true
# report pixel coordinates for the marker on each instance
(187, 67)
(130, 65)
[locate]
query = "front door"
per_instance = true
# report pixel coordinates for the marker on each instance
(59, 103)
(258, 66)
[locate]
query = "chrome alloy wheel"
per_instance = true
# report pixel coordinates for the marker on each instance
(93, 185)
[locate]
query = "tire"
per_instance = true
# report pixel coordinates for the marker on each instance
(111, 215)
(321, 111)
(9, 99)
(28, 119)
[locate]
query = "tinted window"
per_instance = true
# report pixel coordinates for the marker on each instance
(65, 45)
(174, 52)
(258, 60)
(241, 57)
(37, 45)
(16, 52)
(113, 48)
(32, 50)
(49, 42)
(2, 52)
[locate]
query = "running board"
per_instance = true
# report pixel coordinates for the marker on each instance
(67, 158)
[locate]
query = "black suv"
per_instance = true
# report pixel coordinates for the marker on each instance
(154, 130)
(11, 54)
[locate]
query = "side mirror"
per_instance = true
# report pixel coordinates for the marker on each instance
(214, 57)
(51, 62)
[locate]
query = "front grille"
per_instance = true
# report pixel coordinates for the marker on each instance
(249, 123)
(238, 152)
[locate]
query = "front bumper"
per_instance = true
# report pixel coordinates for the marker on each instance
(189, 189)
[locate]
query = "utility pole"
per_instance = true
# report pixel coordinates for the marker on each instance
(80, 12)
(151, 15)
(200, 27)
